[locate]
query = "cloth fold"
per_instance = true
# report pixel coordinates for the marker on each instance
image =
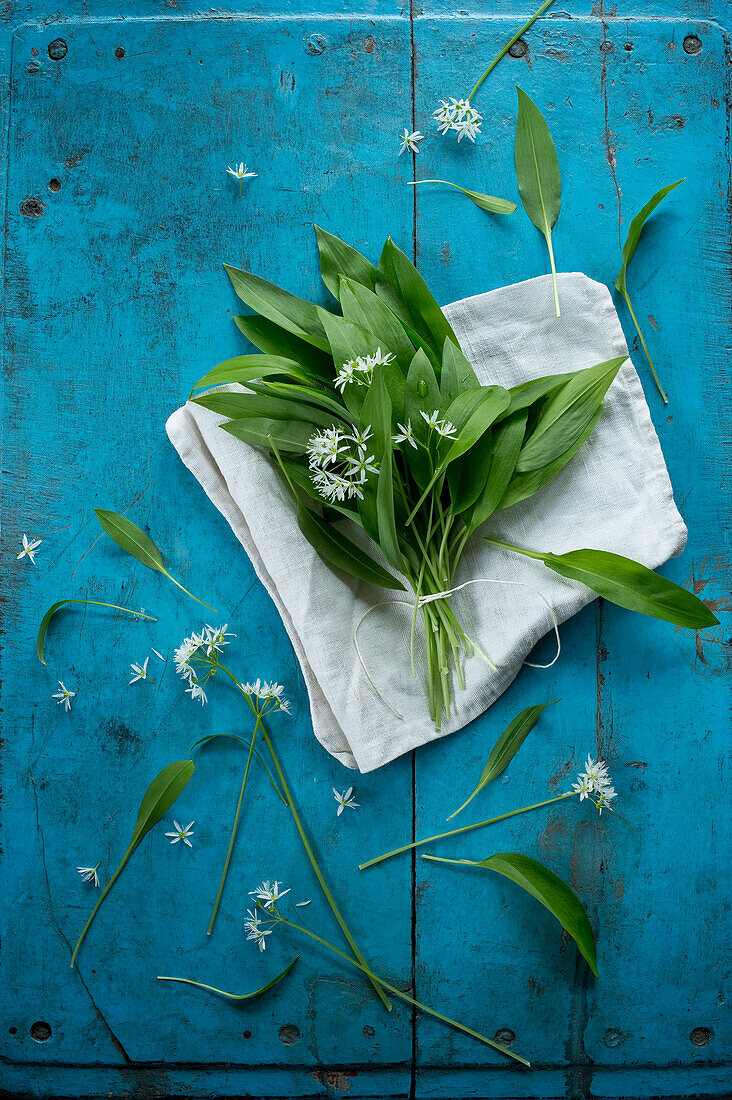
(614, 495)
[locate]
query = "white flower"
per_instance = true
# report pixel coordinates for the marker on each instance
(183, 654)
(458, 115)
(409, 141)
(405, 435)
(361, 369)
(595, 783)
(181, 834)
(269, 694)
(89, 874)
(64, 696)
(257, 934)
(338, 471)
(442, 427)
(140, 672)
(196, 692)
(30, 549)
(214, 638)
(325, 447)
(267, 894)
(239, 172)
(345, 799)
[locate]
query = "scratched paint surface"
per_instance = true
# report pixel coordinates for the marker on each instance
(115, 302)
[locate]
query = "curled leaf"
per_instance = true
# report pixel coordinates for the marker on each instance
(236, 997)
(157, 800)
(506, 747)
(133, 540)
(41, 639)
(486, 202)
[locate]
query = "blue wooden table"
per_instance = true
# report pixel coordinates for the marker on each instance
(120, 120)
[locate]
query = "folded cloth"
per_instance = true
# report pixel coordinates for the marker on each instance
(614, 495)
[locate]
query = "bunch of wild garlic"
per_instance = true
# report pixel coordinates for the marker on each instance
(375, 416)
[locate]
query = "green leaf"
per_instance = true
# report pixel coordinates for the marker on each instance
(300, 394)
(293, 314)
(272, 339)
(338, 258)
(363, 307)
(457, 375)
(406, 293)
(236, 997)
(421, 394)
(348, 341)
(249, 368)
(157, 800)
(631, 243)
(298, 473)
(377, 507)
(523, 486)
(467, 475)
(133, 540)
(41, 639)
(289, 435)
(631, 585)
(506, 747)
(537, 174)
(334, 548)
(472, 412)
(240, 406)
(508, 438)
(527, 393)
(485, 202)
(566, 414)
(552, 892)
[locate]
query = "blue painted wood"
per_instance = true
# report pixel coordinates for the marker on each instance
(115, 302)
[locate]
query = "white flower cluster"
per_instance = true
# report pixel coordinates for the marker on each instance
(268, 692)
(201, 647)
(458, 115)
(340, 463)
(595, 783)
(361, 369)
(267, 896)
(442, 427)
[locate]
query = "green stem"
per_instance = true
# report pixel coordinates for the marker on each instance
(645, 349)
(554, 272)
(516, 549)
(375, 979)
(102, 896)
(464, 829)
(313, 862)
(234, 828)
(508, 45)
(208, 605)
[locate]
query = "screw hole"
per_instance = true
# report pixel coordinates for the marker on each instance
(628, 47)
(505, 1036)
(58, 49)
(289, 1034)
(40, 1031)
(519, 49)
(54, 184)
(13, 1030)
(692, 44)
(119, 52)
(369, 1031)
(700, 1036)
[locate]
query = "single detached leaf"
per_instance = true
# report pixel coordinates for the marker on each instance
(631, 585)
(133, 540)
(42, 629)
(334, 548)
(237, 998)
(338, 258)
(566, 414)
(631, 243)
(293, 314)
(485, 202)
(157, 800)
(506, 747)
(552, 892)
(537, 174)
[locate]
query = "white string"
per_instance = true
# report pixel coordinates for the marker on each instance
(422, 600)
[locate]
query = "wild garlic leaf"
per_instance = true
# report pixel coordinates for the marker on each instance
(291, 313)
(485, 202)
(237, 998)
(243, 406)
(506, 747)
(364, 307)
(631, 585)
(566, 414)
(289, 435)
(552, 892)
(157, 800)
(338, 258)
(537, 174)
(456, 375)
(523, 486)
(43, 628)
(406, 293)
(377, 507)
(631, 243)
(508, 437)
(249, 368)
(272, 339)
(133, 540)
(337, 550)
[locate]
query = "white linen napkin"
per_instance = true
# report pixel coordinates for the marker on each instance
(614, 495)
